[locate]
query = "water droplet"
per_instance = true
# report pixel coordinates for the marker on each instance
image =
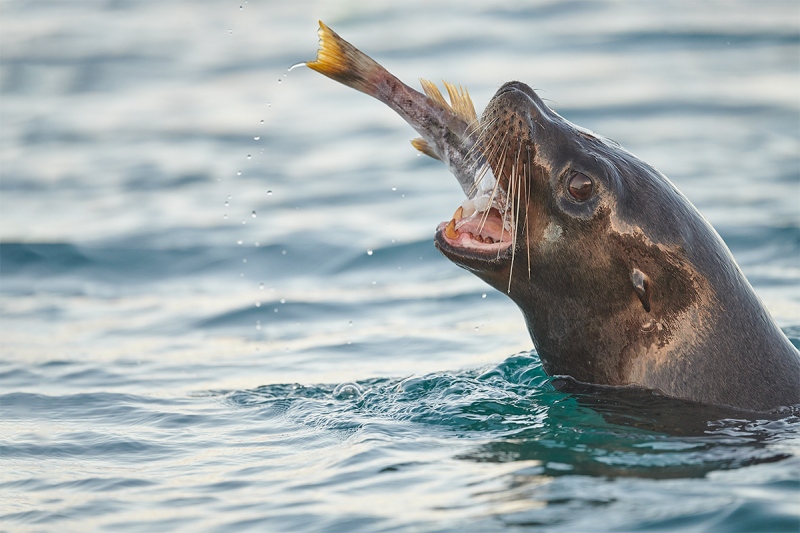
(244, 222)
(483, 295)
(257, 138)
(347, 391)
(477, 328)
(283, 300)
(350, 323)
(283, 252)
(225, 216)
(253, 214)
(240, 241)
(262, 121)
(230, 31)
(244, 260)
(302, 64)
(227, 203)
(275, 310)
(369, 252)
(261, 286)
(374, 282)
(256, 244)
(258, 304)
(394, 188)
(241, 7)
(269, 104)
(279, 80)
(258, 324)
(249, 156)
(269, 193)
(239, 173)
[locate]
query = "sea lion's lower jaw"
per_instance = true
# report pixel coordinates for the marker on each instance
(481, 237)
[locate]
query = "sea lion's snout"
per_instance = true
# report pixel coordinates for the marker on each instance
(512, 115)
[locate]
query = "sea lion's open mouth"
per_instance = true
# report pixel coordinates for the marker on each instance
(481, 235)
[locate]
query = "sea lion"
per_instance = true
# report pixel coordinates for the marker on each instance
(621, 280)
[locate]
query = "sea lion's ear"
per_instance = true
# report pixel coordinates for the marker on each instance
(641, 284)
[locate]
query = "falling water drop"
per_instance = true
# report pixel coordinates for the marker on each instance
(258, 304)
(369, 252)
(239, 241)
(253, 214)
(257, 138)
(261, 286)
(269, 193)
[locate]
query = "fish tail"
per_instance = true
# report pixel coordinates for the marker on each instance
(343, 62)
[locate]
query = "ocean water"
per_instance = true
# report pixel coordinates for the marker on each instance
(220, 304)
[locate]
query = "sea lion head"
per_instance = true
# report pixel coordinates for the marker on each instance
(594, 253)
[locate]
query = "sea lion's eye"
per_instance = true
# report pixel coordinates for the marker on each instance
(580, 186)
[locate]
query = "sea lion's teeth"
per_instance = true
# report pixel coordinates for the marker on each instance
(468, 207)
(488, 240)
(450, 230)
(459, 214)
(478, 238)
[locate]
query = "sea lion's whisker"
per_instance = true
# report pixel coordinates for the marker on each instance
(485, 128)
(501, 166)
(527, 180)
(487, 166)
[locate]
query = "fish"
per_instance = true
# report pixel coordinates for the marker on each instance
(450, 130)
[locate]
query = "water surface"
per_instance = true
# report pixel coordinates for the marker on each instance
(220, 305)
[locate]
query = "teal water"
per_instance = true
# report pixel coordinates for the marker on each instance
(221, 308)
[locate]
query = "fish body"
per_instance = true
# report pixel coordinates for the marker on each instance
(448, 129)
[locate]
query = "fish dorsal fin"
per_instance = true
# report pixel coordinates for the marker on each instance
(432, 91)
(422, 145)
(460, 102)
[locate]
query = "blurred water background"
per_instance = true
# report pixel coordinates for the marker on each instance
(220, 304)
